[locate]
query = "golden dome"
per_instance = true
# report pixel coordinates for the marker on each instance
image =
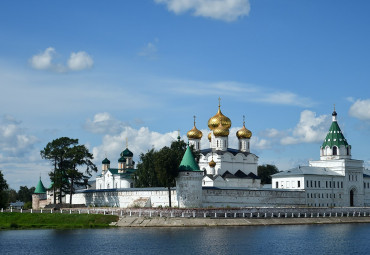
(210, 136)
(219, 118)
(194, 133)
(212, 163)
(221, 131)
(244, 133)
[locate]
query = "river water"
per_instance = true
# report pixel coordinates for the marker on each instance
(297, 239)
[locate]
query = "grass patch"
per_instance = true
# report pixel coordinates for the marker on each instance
(55, 220)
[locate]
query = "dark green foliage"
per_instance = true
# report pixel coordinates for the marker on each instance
(145, 174)
(66, 156)
(55, 220)
(3, 194)
(160, 168)
(25, 194)
(265, 172)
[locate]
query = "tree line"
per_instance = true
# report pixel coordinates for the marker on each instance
(8, 195)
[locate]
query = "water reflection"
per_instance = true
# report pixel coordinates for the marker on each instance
(302, 239)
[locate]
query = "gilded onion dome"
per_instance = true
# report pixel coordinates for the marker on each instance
(221, 131)
(219, 118)
(194, 133)
(212, 163)
(210, 136)
(244, 132)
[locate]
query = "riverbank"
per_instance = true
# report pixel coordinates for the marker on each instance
(213, 222)
(16, 220)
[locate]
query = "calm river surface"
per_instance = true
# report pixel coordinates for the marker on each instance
(299, 239)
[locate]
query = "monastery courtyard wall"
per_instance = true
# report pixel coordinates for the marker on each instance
(212, 197)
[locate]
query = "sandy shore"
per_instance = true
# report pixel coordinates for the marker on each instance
(211, 222)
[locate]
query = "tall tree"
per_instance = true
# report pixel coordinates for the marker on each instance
(56, 152)
(79, 156)
(167, 162)
(265, 172)
(25, 194)
(3, 194)
(145, 175)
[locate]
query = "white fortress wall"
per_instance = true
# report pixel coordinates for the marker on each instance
(249, 197)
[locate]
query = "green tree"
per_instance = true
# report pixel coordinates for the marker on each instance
(11, 195)
(166, 164)
(78, 156)
(265, 172)
(3, 191)
(146, 175)
(25, 194)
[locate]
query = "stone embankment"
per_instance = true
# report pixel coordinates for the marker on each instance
(218, 222)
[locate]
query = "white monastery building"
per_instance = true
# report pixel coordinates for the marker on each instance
(334, 180)
(228, 177)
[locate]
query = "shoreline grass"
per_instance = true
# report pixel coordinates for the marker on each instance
(16, 220)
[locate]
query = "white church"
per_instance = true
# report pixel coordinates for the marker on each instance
(227, 177)
(334, 180)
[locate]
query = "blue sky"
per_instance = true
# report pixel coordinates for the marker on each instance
(101, 72)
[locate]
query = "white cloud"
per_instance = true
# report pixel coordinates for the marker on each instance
(139, 141)
(46, 61)
(150, 50)
(80, 61)
(104, 123)
(243, 91)
(309, 129)
(226, 10)
(360, 109)
(13, 140)
(43, 60)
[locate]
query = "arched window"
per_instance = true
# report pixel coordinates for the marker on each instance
(335, 150)
(217, 143)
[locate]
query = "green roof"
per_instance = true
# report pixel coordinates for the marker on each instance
(334, 137)
(40, 189)
(188, 162)
(105, 161)
(126, 153)
(122, 159)
(128, 171)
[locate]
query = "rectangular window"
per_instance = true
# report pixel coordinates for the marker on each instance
(315, 184)
(277, 185)
(308, 195)
(299, 184)
(319, 184)
(364, 185)
(341, 184)
(334, 185)
(327, 195)
(367, 185)
(326, 183)
(330, 183)
(311, 184)
(307, 184)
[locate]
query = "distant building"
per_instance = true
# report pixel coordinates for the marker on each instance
(117, 178)
(334, 180)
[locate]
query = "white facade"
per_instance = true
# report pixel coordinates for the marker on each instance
(334, 180)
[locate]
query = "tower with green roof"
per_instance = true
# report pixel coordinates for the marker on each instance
(38, 194)
(335, 145)
(189, 182)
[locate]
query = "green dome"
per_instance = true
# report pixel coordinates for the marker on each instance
(105, 161)
(122, 159)
(40, 189)
(126, 153)
(335, 136)
(188, 162)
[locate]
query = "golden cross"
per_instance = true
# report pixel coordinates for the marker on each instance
(194, 120)
(243, 120)
(126, 142)
(219, 102)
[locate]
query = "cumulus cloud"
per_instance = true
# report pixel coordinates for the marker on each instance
(13, 140)
(360, 109)
(139, 141)
(80, 61)
(46, 60)
(104, 123)
(226, 10)
(309, 129)
(43, 60)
